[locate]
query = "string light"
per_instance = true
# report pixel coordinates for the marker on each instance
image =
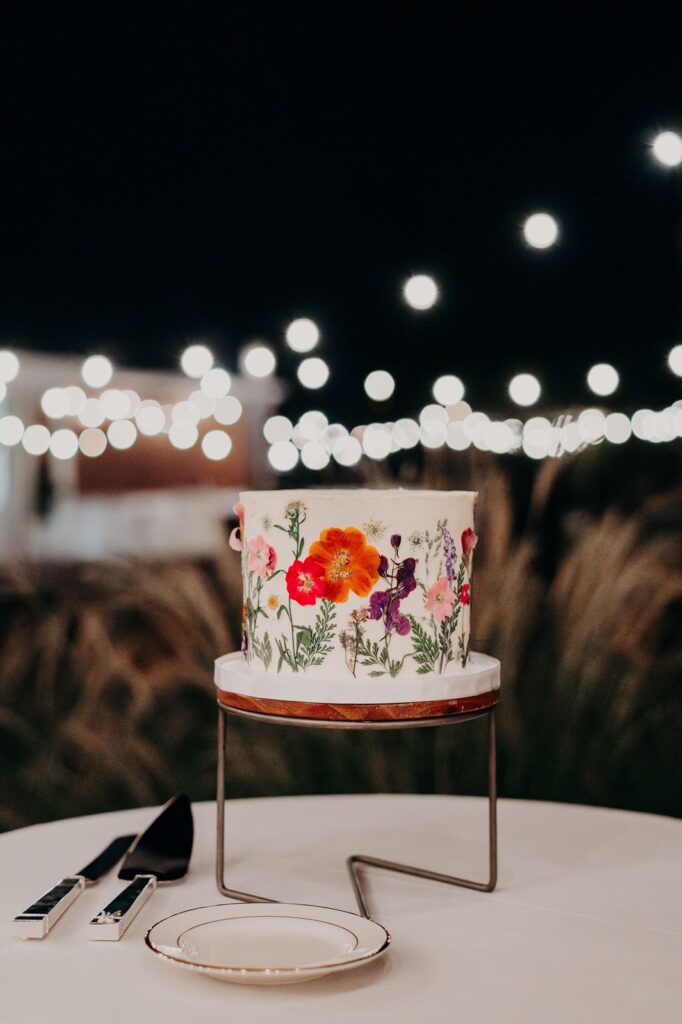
(313, 373)
(114, 404)
(150, 418)
(217, 382)
(96, 371)
(36, 439)
(64, 444)
(675, 360)
(257, 360)
(196, 361)
(183, 435)
(3, 391)
(379, 385)
(9, 366)
(204, 405)
(314, 455)
(540, 230)
(76, 397)
(227, 410)
(617, 428)
(667, 149)
(216, 445)
(55, 403)
(524, 389)
(185, 411)
(91, 414)
(122, 434)
(302, 335)
(11, 430)
(448, 390)
(92, 442)
(347, 451)
(603, 379)
(420, 292)
(283, 456)
(277, 428)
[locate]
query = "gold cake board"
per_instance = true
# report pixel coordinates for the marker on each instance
(387, 712)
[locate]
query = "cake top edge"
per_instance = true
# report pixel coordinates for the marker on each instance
(333, 492)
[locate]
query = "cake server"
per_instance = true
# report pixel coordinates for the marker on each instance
(37, 920)
(158, 856)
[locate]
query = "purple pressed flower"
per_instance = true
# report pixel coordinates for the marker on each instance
(383, 565)
(395, 540)
(402, 625)
(377, 603)
(405, 577)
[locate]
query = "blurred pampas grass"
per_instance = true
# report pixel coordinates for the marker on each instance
(106, 693)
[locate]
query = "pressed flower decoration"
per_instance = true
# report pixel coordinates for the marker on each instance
(416, 599)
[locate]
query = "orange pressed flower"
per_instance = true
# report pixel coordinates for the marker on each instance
(347, 562)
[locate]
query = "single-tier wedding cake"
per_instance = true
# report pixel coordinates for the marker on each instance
(356, 597)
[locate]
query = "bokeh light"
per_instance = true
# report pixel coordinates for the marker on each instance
(379, 385)
(314, 455)
(603, 379)
(420, 291)
(448, 389)
(150, 418)
(313, 373)
(617, 428)
(9, 366)
(524, 389)
(183, 435)
(92, 442)
(257, 360)
(55, 403)
(11, 430)
(91, 414)
(196, 361)
(227, 410)
(667, 149)
(114, 404)
(217, 382)
(277, 428)
(216, 445)
(122, 434)
(96, 371)
(36, 439)
(64, 444)
(302, 335)
(675, 360)
(540, 230)
(283, 456)
(347, 451)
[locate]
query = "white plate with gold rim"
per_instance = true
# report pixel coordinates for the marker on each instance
(267, 943)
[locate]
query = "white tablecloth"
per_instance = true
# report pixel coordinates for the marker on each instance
(585, 926)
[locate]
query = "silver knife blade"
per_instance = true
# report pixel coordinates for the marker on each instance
(36, 921)
(159, 855)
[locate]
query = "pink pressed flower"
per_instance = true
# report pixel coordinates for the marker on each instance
(238, 532)
(262, 558)
(440, 599)
(469, 540)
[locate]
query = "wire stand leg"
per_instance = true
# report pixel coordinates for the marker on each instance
(235, 894)
(356, 860)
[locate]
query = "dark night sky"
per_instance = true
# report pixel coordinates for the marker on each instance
(214, 171)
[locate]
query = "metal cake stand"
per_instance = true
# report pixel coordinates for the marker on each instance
(358, 860)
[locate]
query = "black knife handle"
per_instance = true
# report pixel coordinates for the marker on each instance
(112, 922)
(36, 921)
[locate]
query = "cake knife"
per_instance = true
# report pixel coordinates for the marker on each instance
(37, 920)
(159, 855)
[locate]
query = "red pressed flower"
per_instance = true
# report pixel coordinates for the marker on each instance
(464, 594)
(469, 540)
(305, 581)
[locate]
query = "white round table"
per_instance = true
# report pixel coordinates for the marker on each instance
(586, 923)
